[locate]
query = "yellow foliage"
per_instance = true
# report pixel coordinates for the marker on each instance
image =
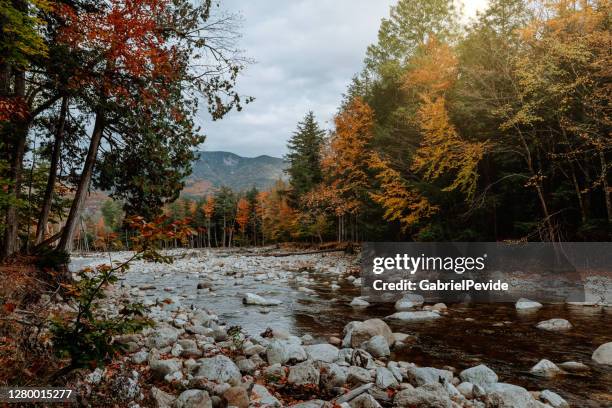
(399, 201)
(442, 149)
(346, 161)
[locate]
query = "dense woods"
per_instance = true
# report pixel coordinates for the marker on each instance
(498, 129)
(102, 95)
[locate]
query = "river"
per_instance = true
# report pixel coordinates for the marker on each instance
(493, 334)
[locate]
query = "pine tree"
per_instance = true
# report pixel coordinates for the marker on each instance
(305, 156)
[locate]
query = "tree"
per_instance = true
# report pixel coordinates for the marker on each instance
(346, 162)
(112, 214)
(442, 150)
(304, 157)
(402, 202)
(142, 51)
(243, 215)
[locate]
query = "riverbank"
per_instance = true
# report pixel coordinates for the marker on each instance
(292, 284)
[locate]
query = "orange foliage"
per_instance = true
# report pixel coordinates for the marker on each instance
(128, 35)
(346, 162)
(243, 214)
(209, 208)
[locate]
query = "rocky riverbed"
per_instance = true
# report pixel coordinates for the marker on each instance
(326, 346)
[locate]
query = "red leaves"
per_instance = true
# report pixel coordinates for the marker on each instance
(127, 40)
(9, 307)
(13, 109)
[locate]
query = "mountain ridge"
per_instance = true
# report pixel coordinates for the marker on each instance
(214, 169)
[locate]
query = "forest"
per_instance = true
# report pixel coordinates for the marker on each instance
(496, 129)
(102, 96)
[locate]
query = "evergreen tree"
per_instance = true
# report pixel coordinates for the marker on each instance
(305, 156)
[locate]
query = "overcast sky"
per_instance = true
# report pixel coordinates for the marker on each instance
(305, 53)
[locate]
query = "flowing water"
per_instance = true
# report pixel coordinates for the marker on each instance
(493, 334)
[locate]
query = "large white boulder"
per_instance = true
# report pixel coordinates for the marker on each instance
(355, 332)
(253, 299)
(409, 301)
(322, 352)
(545, 368)
(220, 369)
(418, 316)
(603, 354)
(554, 325)
(480, 375)
(284, 351)
(526, 304)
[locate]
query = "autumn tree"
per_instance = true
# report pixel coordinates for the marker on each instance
(143, 51)
(347, 165)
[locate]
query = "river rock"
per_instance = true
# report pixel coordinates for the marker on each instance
(161, 368)
(480, 375)
(261, 396)
(526, 304)
(246, 366)
(359, 302)
(193, 399)
(439, 307)
(545, 368)
(236, 397)
(140, 357)
(220, 369)
(418, 316)
(603, 354)
(358, 375)
(554, 325)
(322, 352)
(409, 301)
(419, 376)
(466, 389)
(311, 404)
(377, 346)
(253, 299)
(274, 372)
(361, 358)
(162, 399)
(190, 348)
(332, 375)
(284, 351)
(364, 400)
(553, 399)
(354, 393)
(303, 374)
(504, 395)
(254, 349)
(385, 378)
(356, 332)
(163, 336)
(574, 367)
(426, 396)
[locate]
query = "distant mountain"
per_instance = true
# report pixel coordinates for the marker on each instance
(215, 169)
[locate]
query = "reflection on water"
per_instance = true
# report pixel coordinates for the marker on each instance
(510, 350)
(498, 335)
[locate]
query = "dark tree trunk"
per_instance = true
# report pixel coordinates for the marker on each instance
(16, 153)
(43, 219)
(606, 187)
(72, 221)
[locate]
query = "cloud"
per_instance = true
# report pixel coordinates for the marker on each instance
(306, 52)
